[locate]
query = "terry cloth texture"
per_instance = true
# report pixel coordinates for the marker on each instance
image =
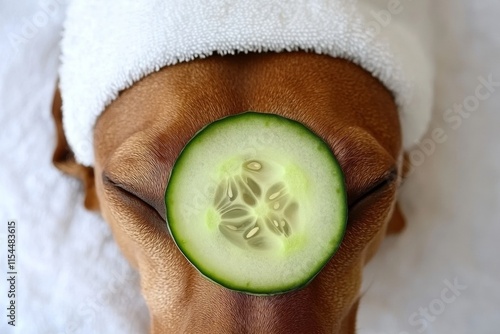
(108, 46)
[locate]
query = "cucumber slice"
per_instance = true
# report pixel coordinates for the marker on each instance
(257, 203)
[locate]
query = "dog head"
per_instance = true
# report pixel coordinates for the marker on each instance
(139, 136)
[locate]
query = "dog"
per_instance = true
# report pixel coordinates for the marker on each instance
(141, 133)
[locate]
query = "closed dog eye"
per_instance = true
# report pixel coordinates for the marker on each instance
(137, 170)
(131, 196)
(381, 183)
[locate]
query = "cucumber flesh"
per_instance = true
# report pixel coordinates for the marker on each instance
(257, 203)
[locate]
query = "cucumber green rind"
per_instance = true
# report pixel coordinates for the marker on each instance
(208, 273)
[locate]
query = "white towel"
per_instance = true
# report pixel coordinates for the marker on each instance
(109, 45)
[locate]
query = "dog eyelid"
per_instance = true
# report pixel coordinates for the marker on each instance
(390, 176)
(386, 180)
(112, 182)
(131, 193)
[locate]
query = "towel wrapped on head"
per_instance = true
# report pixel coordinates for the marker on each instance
(107, 46)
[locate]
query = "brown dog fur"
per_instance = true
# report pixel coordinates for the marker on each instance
(139, 136)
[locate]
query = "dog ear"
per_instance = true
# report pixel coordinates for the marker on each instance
(65, 161)
(407, 166)
(397, 222)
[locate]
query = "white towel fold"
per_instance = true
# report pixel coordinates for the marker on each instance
(109, 45)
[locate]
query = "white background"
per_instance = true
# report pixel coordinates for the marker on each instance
(72, 278)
